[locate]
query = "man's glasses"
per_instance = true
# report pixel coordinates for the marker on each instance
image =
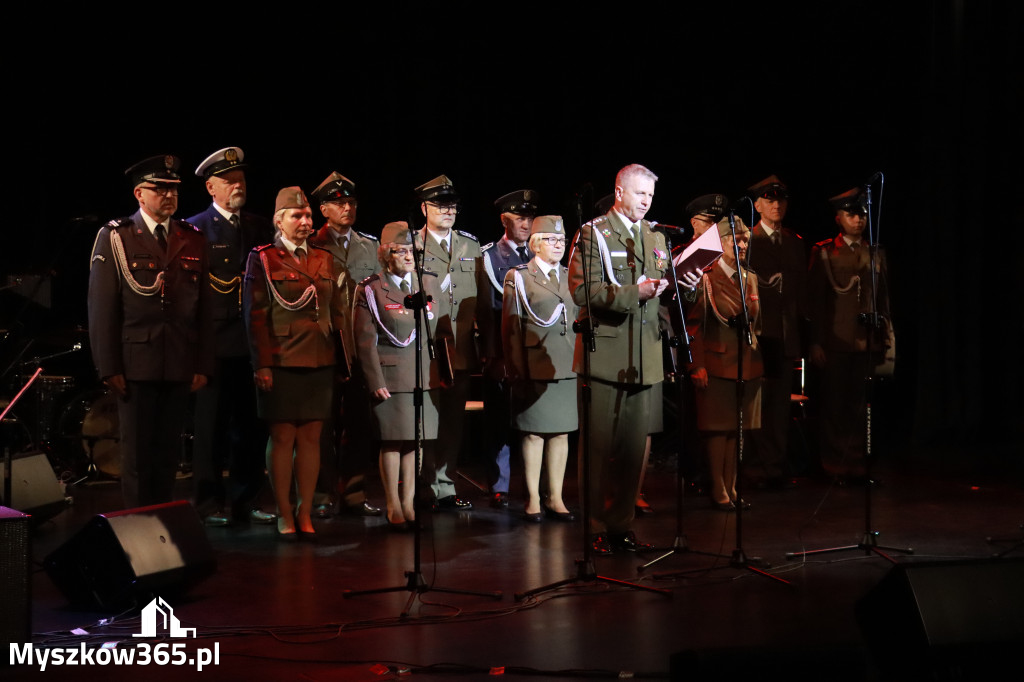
(554, 241)
(444, 208)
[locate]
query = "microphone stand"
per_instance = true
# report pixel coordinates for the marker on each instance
(8, 473)
(683, 355)
(744, 338)
(586, 572)
(872, 321)
(414, 583)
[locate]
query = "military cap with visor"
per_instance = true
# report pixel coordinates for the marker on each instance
(440, 190)
(851, 201)
(769, 188)
(160, 170)
(336, 187)
(221, 161)
(711, 205)
(522, 202)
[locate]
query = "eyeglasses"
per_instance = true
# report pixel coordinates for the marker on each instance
(444, 208)
(401, 252)
(163, 191)
(554, 241)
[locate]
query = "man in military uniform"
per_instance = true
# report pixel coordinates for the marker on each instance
(839, 293)
(346, 454)
(151, 327)
(517, 211)
(624, 262)
(227, 430)
(776, 254)
(456, 258)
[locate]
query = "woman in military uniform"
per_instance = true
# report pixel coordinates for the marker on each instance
(385, 341)
(290, 315)
(538, 341)
(716, 352)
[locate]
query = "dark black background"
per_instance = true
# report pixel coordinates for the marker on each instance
(500, 97)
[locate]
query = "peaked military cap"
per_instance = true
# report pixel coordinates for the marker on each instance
(335, 188)
(290, 197)
(769, 188)
(221, 161)
(396, 233)
(520, 202)
(851, 201)
(711, 205)
(548, 224)
(162, 169)
(440, 189)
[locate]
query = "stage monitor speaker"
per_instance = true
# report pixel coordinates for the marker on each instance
(126, 558)
(15, 578)
(959, 619)
(34, 487)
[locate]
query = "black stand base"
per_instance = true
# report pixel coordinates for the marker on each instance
(587, 573)
(1017, 540)
(416, 585)
(869, 544)
(680, 546)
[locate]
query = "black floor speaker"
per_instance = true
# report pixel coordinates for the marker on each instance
(34, 487)
(126, 558)
(15, 578)
(946, 620)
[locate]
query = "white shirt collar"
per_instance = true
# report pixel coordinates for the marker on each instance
(151, 224)
(398, 280)
(545, 267)
(224, 212)
(290, 246)
(850, 241)
(625, 221)
(440, 239)
(725, 268)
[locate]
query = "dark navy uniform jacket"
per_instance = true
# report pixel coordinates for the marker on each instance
(227, 250)
(499, 257)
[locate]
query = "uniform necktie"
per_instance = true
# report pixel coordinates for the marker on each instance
(405, 287)
(161, 236)
(776, 238)
(446, 245)
(300, 253)
(553, 275)
(521, 250)
(235, 220)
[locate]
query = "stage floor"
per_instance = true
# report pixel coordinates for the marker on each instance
(276, 610)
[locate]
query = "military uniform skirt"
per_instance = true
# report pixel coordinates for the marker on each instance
(716, 405)
(298, 394)
(393, 419)
(544, 406)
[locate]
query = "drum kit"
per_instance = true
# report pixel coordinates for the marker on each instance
(77, 429)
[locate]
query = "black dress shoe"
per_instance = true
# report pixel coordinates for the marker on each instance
(533, 518)
(601, 545)
(627, 542)
(217, 519)
(567, 517)
(642, 508)
(323, 511)
(363, 509)
(499, 501)
(741, 503)
(726, 506)
(452, 503)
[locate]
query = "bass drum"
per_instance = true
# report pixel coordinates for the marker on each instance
(92, 418)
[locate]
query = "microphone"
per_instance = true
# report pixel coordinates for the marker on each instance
(683, 232)
(876, 176)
